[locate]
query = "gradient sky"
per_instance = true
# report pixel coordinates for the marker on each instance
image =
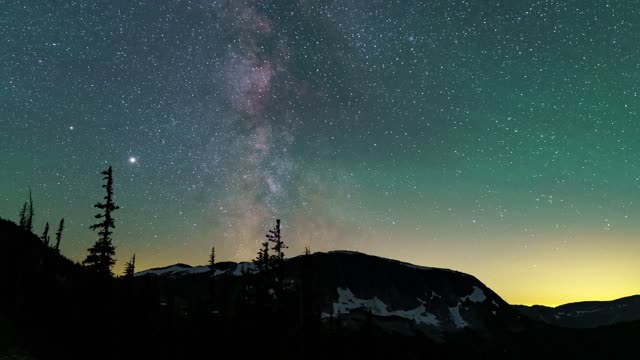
(498, 138)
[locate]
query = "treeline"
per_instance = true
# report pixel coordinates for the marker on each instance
(101, 256)
(48, 292)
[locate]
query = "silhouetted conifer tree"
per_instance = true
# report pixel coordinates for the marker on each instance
(263, 261)
(45, 234)
(100, 258)
(28, 225)
(59, 234)
(277, 260)
(259, 284)
(212, 258)
(130, 267)
(23, 216)
(275, 237)
(212, 289)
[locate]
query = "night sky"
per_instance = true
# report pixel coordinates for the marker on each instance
(498, 138)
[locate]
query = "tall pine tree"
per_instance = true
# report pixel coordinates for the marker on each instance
(59, 234)
(100, 258)
(45, 234)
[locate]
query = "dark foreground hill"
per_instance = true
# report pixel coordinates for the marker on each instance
(334, 305)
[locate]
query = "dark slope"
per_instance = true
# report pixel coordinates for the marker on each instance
(43, 294)
(406, 298)
(433, 300)
(586, 314)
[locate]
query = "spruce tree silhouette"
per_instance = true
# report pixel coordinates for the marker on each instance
(212, 289)
(100, 258)
(277, 260)
(59, 234)
(275, 237)
(261, 283)
(45, 235)
(262, 260)
(212, 258)
(28, 224)
(23, 216)
(130, 267)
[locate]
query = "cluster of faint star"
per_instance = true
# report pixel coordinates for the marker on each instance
(377, 117)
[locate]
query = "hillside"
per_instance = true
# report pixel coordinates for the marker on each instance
(408, 298)
(586, 314)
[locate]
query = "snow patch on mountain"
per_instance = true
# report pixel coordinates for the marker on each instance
(575, 314)
(347, 301)
(219, 272)
(454, 314)
(245, 268)
(476, 296)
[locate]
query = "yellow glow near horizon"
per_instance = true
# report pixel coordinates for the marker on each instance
(592, 270)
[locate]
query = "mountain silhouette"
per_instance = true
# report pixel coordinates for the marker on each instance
(586, 314)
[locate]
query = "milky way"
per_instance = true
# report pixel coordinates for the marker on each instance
(498, 138)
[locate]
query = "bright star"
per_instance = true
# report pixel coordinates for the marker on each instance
(132, 160)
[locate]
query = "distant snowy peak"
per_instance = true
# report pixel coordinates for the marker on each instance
(174, 270)
(238, 269)
(180, 270)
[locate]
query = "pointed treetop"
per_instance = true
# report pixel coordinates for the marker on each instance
(212, 258)
(45, 234)
(130, 267)
(100, 257)
(59, 234)
(29, 216)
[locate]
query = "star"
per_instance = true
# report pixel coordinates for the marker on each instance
(133, 160)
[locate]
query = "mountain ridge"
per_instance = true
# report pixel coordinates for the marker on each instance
(350, 297)
(586, 314)
(352, 286)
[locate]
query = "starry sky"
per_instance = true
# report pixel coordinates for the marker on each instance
(498, 138)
